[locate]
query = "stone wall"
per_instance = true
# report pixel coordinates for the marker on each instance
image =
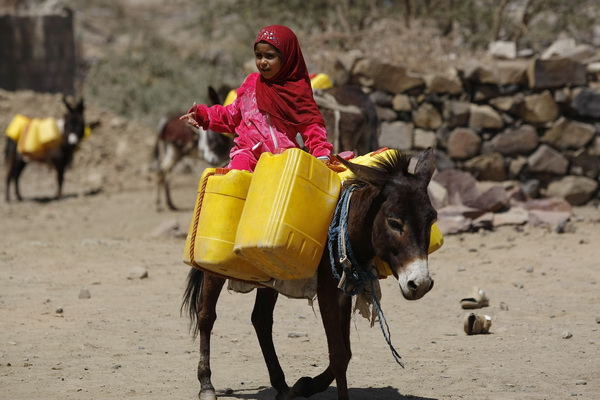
(534, 119)
(37, 52)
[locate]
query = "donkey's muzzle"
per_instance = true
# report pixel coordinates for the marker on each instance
(415, 280)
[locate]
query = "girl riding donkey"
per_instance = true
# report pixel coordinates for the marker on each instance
(271, 107)
(390, 215)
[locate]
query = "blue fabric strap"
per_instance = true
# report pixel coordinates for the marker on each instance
(354, 276)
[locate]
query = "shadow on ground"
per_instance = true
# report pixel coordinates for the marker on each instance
(386, 393)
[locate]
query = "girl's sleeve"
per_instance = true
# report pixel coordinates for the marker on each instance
(217, 117)
(224, 118)
(315, 140)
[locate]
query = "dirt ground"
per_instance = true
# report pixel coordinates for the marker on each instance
(128, 340)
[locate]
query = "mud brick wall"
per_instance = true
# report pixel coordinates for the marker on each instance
(37, 52)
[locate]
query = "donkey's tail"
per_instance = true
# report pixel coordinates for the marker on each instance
(191, 296)
(10, 149)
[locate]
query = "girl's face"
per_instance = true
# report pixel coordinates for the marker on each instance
(268, 60)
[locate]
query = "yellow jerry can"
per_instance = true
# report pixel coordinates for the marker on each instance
(321, 81)
(29, 141)
(210, 240)
(283, 227)
(16, 126)
(49, 134)
(231, 96)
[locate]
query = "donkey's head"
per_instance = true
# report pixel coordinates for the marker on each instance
(74, 123)
(215, 146)
(401, 215)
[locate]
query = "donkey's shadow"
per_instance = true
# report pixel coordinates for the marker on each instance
(49, 199)
(388, 393)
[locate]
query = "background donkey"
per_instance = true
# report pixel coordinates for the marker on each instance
(60, 155)
(175, 140)
(351, 118)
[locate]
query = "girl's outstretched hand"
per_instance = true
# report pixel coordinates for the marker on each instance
(190, 117)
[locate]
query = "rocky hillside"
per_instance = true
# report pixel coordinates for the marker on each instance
(485, 109)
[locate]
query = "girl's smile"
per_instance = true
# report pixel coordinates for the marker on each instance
(268, 60)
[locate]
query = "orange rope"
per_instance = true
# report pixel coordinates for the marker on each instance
(199, 201)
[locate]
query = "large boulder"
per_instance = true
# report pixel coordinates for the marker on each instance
(577, 190)
(556, 73)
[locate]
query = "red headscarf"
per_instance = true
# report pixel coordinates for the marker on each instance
(288, 97)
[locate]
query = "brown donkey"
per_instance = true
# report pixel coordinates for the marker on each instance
(388, 215)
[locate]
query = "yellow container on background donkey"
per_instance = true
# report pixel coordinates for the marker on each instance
(29, 143)
(210, 239)
(16, 126)
(290, 204)
(49, 134)
(38, 136)
(436, 239)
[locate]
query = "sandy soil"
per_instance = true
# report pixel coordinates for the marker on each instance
(128, 339)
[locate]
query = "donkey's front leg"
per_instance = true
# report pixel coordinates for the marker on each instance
(207, 315)
(60, 178)
(335, 307)
(262, 320)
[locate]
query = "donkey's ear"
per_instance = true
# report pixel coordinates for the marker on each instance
(80, 105)
(369, 174)
(66, 102)
(425, 165)
(213, 96)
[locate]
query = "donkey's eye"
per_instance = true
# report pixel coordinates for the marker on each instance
(396, 224)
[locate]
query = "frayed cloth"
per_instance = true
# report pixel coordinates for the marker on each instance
(363, 302)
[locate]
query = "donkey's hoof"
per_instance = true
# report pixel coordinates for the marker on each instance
(302, 388)
(285, 394)
(208, 394)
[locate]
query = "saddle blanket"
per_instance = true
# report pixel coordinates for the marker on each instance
(307, 289)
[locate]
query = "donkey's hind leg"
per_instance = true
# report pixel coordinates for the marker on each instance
(207, 315)
(262, 320)
(14, 167)
(15, 171)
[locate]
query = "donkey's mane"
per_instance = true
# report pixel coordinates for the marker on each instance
(397, 162)
(384, 168)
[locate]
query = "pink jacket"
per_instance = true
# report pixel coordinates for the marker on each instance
(255, 132)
